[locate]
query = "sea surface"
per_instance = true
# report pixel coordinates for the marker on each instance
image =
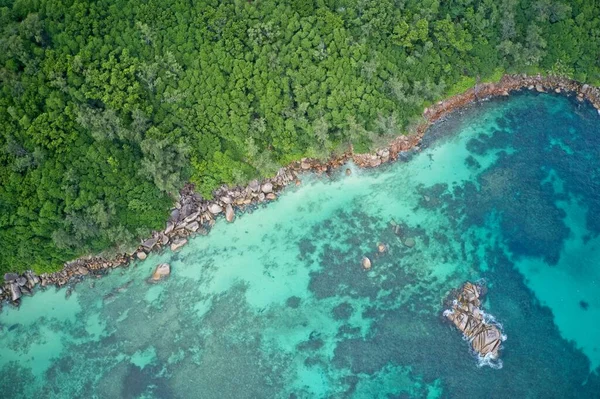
(277, 305)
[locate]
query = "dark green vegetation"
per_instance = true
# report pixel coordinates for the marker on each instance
(108, 107)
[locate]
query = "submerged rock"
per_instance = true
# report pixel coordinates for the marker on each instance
(162, 271)
(381, 247)
(409, 242)
(348, 172)
(485, 337)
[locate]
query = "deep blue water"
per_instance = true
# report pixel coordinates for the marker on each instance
(276, 305)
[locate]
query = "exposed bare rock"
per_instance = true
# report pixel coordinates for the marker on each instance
(271, 196)
(267, 188)
(170, 227)
(366, 263)
(468, 317)
(15, 291)
(226, 200)
(254, 185)
(229, 213)
(164, 239)
(192, 217)
(261, 197)
(141, 255)
(178, 243)
(10, 277)
(161, 272)
(215, 209)
(150, 243)
(174, 216)
(192, 226)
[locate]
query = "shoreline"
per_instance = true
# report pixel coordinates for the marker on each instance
(192, 215)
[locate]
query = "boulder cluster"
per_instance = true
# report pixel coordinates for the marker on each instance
(467, 315)
(193, 214)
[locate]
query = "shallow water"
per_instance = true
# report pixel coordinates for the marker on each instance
(276, 305)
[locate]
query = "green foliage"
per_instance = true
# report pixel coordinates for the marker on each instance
(108, 107)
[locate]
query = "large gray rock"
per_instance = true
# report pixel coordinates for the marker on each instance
(10, 277)
(229, 213)
(254, 185)
(174, 215)
(21, 281)
(150, 243)
(215, 209)
(192, 217)
(170, 227)
(186, 211)
(178, 243)
(15, 291)
(193, 226)
(267, 188)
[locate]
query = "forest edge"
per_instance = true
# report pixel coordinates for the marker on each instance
(192, 215)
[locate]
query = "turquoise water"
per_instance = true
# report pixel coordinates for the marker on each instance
(276, 305)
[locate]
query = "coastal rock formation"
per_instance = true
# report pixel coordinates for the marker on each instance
(267, 188)
(178, 244)
(192, 214)
(466, 314)
(215, 209)
(162, 271)
(229, 213)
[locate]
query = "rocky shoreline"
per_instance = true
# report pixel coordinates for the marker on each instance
(193, 215)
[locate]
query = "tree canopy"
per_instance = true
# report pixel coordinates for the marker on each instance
(108, 106)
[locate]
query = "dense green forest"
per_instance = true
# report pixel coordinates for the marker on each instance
(108, 106)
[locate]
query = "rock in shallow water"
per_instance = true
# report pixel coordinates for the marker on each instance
(178, 244)
(162, 271)
(468, 317)
(229, 213)
(366, 263)
(15, 291)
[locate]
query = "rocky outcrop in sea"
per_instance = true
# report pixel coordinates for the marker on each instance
(478, 328)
